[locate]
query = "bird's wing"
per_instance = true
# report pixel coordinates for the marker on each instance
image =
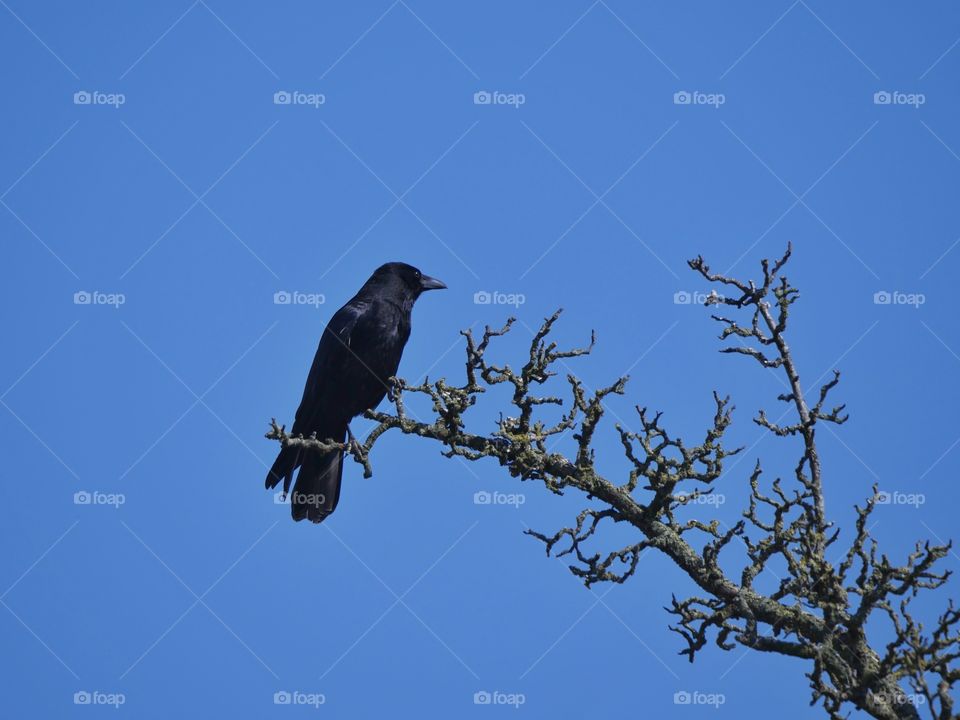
(332, 352)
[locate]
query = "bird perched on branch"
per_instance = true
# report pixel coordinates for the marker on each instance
(359, 351)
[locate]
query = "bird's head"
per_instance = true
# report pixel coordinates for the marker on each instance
(404, 279)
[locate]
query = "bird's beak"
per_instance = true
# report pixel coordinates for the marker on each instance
(429, 283)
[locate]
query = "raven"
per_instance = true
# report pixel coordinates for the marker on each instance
(359, 351)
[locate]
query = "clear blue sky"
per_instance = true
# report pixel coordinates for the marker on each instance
(184, 191)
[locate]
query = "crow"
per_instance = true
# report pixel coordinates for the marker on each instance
(359, 351)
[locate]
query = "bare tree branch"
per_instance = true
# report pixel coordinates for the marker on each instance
(821, 609)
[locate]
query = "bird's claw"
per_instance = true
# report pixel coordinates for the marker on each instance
(393, 389)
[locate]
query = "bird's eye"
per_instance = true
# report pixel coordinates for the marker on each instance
(416, 274)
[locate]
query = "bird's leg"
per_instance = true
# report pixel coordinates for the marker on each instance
(355, 447)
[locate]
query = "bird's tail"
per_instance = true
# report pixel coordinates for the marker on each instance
(287, 461)
(318, 483)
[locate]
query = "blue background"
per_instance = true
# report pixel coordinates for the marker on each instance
(199, 198)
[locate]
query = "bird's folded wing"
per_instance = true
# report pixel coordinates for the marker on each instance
(333, 350)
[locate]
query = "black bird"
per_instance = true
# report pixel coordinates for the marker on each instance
(359, 350)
